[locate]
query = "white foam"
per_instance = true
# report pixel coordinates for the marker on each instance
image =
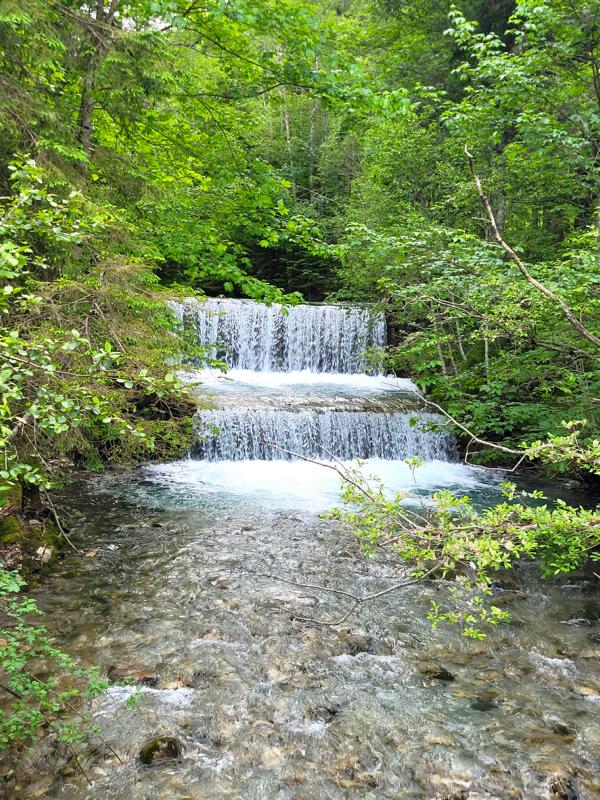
(304, 485)
(234, 379)
(181, 697)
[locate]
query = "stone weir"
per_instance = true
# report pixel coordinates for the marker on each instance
(298, 387)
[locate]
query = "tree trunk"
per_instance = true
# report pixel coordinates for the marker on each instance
(288, 141)
(311, 150)
(438, 345)
(537, 285)
(86, 106)
(312, 143)
(100, 33)
(486, 356)
(459, 342)
(501, 212)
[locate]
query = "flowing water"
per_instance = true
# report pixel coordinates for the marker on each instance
(262, 338)
(254, 434)
(186, 588)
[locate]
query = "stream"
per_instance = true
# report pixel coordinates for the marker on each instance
(190, 587)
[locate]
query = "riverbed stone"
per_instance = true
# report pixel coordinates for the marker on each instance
(358, 642)
(139, 675)
(587, 615)
(590, 652)
(484, 704)
(564, 731)
(43, 554)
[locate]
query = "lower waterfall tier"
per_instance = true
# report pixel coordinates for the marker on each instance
(251, 434)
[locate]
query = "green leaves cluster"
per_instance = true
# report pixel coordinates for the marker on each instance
(39, 681)
(519, 90)
(66, 389)
(463, 550)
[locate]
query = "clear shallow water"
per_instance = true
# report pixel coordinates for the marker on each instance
(189, 586)
(185, 592)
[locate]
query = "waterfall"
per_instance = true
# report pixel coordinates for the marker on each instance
(253, 336)
(246, 434)
(323, 340)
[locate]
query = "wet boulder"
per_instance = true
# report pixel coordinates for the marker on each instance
(160, 748)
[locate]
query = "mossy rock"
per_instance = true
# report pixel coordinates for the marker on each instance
(11, 529)
(50, 536)
(13, 496)
(160, 748)
(11, 526)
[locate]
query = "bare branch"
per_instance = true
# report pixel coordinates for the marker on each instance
(57, 521)
(567, 311)
(358, 600)
(454, 421)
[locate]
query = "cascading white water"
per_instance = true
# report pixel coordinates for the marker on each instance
(305, 340)
(247, 434)
(253, 336)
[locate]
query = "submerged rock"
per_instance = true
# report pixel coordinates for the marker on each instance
(588, 615)
(358, 642)
(436, 672)
(160, 748)
(481, 704)
(562, 787)
(562, 730)
(590, 652)
(137, 675)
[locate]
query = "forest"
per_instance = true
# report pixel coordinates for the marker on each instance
(434, 162)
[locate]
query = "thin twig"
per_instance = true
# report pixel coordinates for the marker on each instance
(56, 517)
(357, 599)
(454, 421)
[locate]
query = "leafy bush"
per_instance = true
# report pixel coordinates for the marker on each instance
(39, 680)
(85, 362)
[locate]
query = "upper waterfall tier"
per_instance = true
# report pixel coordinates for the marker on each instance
(253, 336)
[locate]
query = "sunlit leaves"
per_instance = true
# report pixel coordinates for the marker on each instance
(63, 386)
